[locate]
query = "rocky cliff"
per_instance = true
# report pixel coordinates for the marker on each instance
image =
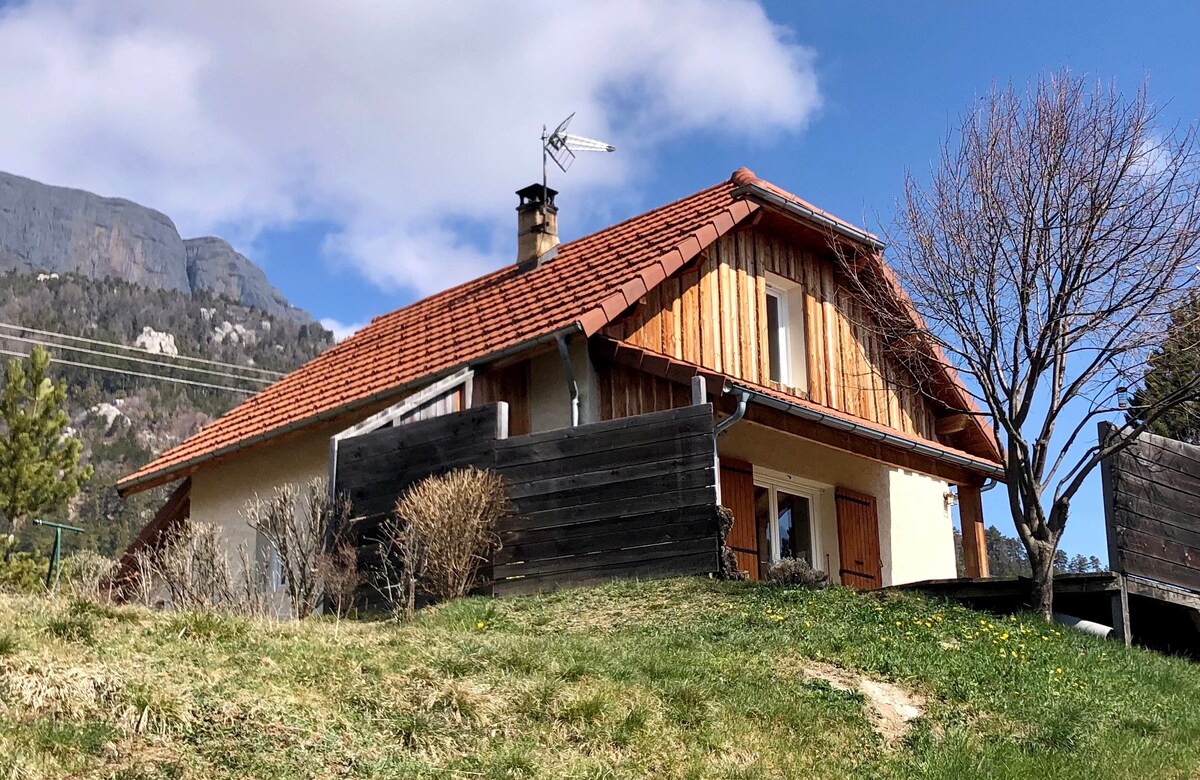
(61, 230)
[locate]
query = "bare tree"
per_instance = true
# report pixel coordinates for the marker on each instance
(1060, 229)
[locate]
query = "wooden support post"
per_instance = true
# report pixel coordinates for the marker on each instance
(699, 390)
(1120, 612)
(974, 535)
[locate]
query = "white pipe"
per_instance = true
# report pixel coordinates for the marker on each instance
(1086, 626)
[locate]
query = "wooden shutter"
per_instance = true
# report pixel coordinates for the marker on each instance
(858, 540)
(737, 493)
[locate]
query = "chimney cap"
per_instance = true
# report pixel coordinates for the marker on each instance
(533, 195)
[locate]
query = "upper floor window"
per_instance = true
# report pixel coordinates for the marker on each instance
(786, 348)
(777, 335)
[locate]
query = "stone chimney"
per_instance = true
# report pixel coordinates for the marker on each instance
(537, 225)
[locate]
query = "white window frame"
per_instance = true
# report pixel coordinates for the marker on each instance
(269, 561)
(774, 481)
(793, 330)
(783, 334)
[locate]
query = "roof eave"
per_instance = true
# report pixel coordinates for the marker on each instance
(760, 194)
(992, 470)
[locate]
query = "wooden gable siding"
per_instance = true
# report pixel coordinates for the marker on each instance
(713, 313)
(510, 384)
(626, 392)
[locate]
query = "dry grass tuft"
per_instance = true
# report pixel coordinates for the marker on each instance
(42, 688)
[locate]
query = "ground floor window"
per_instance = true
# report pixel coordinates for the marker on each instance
(785, 515)
(270, 565)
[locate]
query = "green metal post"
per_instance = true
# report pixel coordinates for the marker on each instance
(55, 562)
(54, 573)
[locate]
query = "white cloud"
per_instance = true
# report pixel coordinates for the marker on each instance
(341, 330)
(398, 121)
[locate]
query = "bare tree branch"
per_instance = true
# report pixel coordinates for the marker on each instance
(1059, 231)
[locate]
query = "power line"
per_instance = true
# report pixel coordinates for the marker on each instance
(134, 359)
(126, 372)
(83, 339)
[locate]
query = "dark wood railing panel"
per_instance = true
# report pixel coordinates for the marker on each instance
(1152, 502)
(632, 497)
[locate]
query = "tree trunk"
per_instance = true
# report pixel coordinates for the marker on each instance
(1041, 560)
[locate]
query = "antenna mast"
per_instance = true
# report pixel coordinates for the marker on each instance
(561, 147)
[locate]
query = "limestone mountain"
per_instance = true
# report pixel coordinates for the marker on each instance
(125, 410)
(48, 229)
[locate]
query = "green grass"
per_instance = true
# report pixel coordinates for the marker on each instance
(676, 679)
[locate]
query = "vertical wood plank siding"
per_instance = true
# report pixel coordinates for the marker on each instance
(714, 315)
(509, 384)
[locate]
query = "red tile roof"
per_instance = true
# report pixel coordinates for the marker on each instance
(589, 283)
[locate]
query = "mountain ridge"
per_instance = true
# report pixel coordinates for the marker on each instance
(47, 228)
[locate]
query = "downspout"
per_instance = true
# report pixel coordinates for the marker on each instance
(743, 397)
(739, 413)
(572, 386)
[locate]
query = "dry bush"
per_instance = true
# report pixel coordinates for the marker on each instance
(796, 571)
(86, 571)
(340, 573)
(443, 533)
(298, 520)
(193, 567)
(253, 599)
(141, 583)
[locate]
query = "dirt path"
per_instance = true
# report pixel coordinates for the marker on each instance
(890, 708)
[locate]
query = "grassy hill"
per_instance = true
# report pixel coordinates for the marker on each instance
(675, 679)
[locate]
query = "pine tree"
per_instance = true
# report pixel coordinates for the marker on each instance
(1173, 369)
(39, 459)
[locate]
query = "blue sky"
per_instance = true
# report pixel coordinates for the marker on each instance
(367, 155)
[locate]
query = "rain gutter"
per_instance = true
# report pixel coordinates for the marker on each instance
(867, 432)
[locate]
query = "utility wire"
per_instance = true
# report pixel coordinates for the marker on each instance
(147, 361)
(83, 339)
(95, 367)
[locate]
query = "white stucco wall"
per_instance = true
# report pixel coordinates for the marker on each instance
(922, 529)
(915, 533)
(549, 399)
(220, 494)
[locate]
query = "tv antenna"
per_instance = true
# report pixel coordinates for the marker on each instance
(561, 147)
